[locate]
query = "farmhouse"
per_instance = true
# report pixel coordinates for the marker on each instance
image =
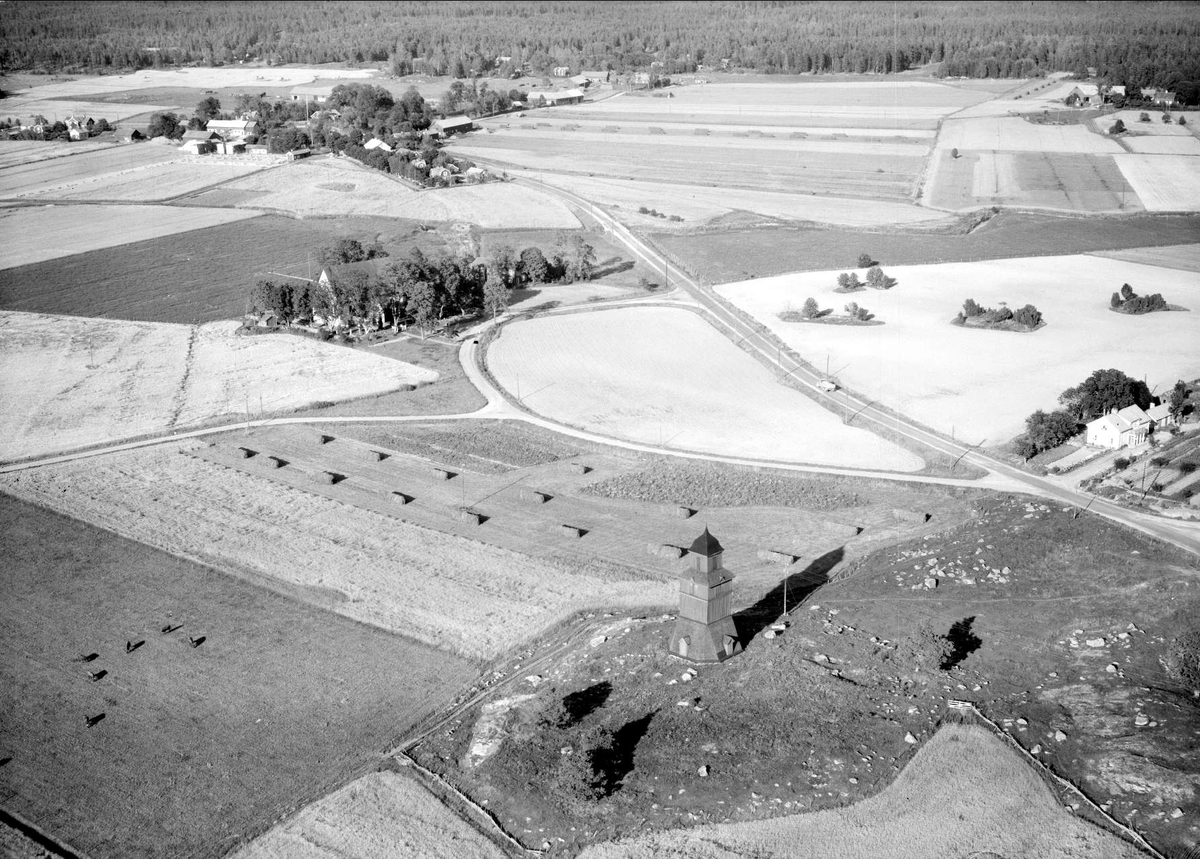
(1165, 98)
(566, 96)
(704, 629)
(1118, 429)
(233, 129)
(318, 94)
(562, 71)
(453, 125)
(1083, 94)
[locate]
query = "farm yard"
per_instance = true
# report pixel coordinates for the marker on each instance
(317, 188)
(981, 385)
(70, 382)
(201, 275)
(664, 376)
(35, 235)
(279, 704)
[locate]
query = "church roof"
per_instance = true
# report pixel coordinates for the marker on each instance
(706, 544)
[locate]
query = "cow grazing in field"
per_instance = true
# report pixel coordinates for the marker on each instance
(196, 642)
(93, 721)
(87, 657)
(131, 646)
(169, 628)
(97, 675)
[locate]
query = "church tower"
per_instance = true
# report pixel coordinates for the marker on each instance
(704, 630)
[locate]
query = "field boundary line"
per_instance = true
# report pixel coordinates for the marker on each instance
(36, 834)
(405, 760)
(1128, 833)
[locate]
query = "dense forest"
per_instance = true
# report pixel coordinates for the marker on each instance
(1142, 43)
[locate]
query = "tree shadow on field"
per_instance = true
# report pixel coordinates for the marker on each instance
(616, 265)
(579, 705)
(753, 620)
(963, 642)
(616, 762)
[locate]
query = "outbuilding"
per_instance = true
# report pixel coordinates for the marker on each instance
(453, 125)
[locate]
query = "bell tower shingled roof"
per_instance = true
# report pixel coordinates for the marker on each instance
(706, 544)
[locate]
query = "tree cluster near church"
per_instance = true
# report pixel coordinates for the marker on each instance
(1125, 42)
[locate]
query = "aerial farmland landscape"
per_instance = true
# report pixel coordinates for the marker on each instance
(669, 429)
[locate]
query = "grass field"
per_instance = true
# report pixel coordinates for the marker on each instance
(318, 188)
(665, 377)
(198, 746)
(982, 384)
(1182, 257)
(1155, 127)
(197, 276)
(83, 162)
(36, 235)
(381, 815)
(965, 792)
(1015, 134)
(452, 592)
(1163, 145)
(152, 182)
(1165, 183)
(14, 153)
(1068, 182)
(698, 203)
(70, 382)
(719, 257)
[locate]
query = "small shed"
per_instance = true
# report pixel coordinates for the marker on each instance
(297, 154)
(376, 143)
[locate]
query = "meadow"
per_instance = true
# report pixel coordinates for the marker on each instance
(1001, 809)
(70, 382)
(322, 187)
(198, 746)
(739, 254)
(197, 276)
(982, 384)
(665, 377)
(448, 591)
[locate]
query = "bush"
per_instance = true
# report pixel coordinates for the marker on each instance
(1117, 127)
(810, 309)
(1028, 315)
(1156, 486)
(1121, 463)
(1187, 467)
(865, 261)
(1145, 117)
(1183, 659)
(1159, 461)
(642, 210)
(1182, 121)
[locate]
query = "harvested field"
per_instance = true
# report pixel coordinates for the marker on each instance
(1163, 145)
(84, 162)
(1182, 257)
(1015, 134)
(451, 592)
(199, 746)
(739, 254)
(156, 280)
(964, 793)
(150, 182)
(982, 384)
(698, 203)
(1031, 180)
(34, 235)
(70, 383)
(27, 105)
(665, 377)
(378, 816)
(303, 188)
(1165, 183)
(14, 153)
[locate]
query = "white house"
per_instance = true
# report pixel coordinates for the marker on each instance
(1125, 428)
(233, 129)
(376, 143)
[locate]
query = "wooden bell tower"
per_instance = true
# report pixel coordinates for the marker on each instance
(704, 630)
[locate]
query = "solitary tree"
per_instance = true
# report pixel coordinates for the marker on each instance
(533, 266)
(165, 125)
(865, 261)
(1177, 399)
(495, 296)
(1102, 392)
(810, 309)
(1117, 127)
(208, 108)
